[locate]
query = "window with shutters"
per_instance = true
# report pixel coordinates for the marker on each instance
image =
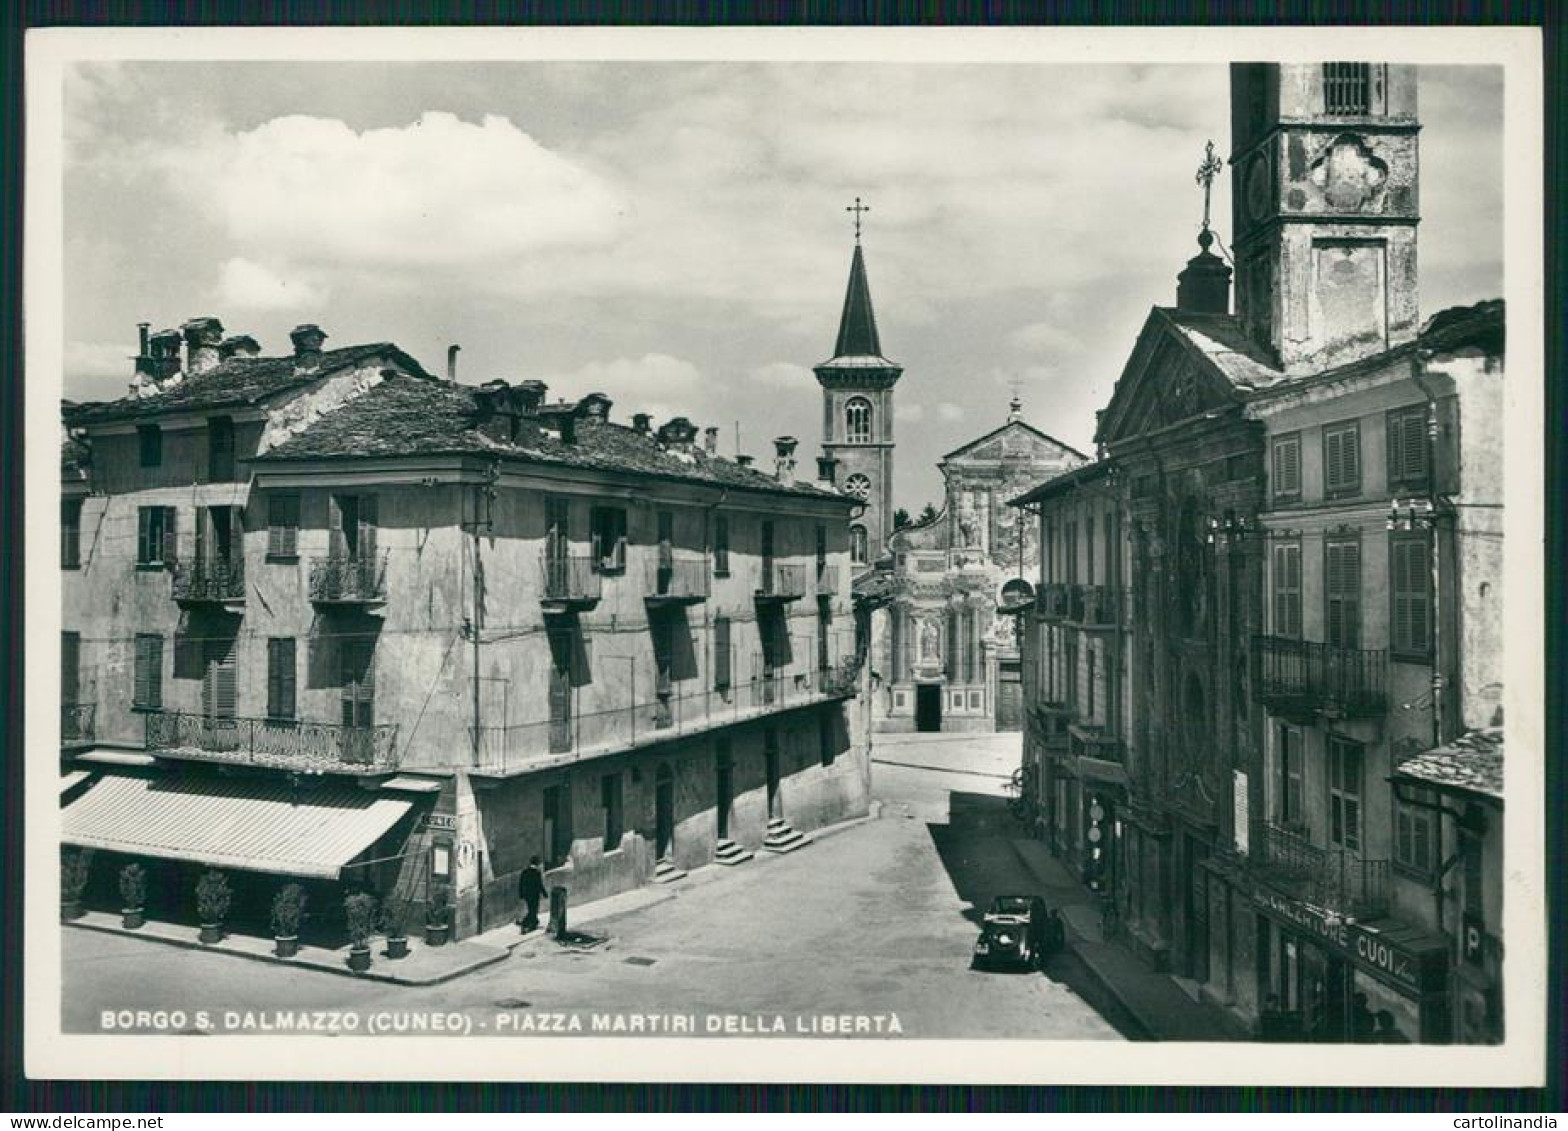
(1410, 588)
(1285, 575)
(149, 445)
(557, 813)
(220, 449)
(155, 536)
(721, 546)
(218, 688)
(1415, 830)
(1342, 592)
(608, 525)
(1344, 793)
(282, 527)
(70, 668)
(71, 534)
(1285, 465)
(282, 673)
(1409, 454)
(1289, 805)
(1342, 459)
(357, 680)
(147, 694)
(723, 654)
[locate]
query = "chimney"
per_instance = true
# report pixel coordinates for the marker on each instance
(141, 338)
(1203, 287)
(307, 340)
(528, 396)
(497, 412)
(784, 462)
(451, 362)
(595, 406)
(241, 345)
(745, 460)
(642, 422)
(202, 336)
(164, 362)
(710, 440)
(827, 471)
(677, 435)
(145, 371)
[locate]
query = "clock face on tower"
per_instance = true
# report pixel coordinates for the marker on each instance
(1258, 188)
(857, 485)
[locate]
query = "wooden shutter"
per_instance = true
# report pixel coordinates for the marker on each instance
(367, 530)
(1407, 447)
(1287, 590)
(218, 682)
(144, 535)
(281, 678)
(283, 526)
(357, 665)
(337, 546)
(1412, 600)
(1342, 587)
(170, 537)
(1287, 466)
(148, 690)
(1342, 459)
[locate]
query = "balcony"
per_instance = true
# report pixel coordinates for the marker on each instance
(1302, 680)
(78, 724)
(349, 580)
(568, 584)
(1331, 879)
(1051, 601)
(214, 581)
(1096, 608)
(274, 743)
(781, 583)
(675, 580)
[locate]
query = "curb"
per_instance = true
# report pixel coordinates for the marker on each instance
(371, 975)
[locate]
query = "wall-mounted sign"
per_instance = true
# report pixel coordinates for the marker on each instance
(465, 853)
(1240, 812)
(1474, 939)
(441, 822)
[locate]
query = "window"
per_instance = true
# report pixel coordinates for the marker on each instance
(1285, 462)
(723, 654)
(562, 648)
(357, 678)
(721, 546)
(149, 443)
(71, 534)
(824, 628)
(1070, 548)
(1344, 793)
(155, 536)
(281, 678)
(220, 449)
(1286, 576)
(1347, 88)
(147, 694)
(1342, 459)
(218, 678)
(1342, 592)
(557, 813)
(610, 799)
(857, 420)
(1410, 630)
(282, 526)
(1289, 807)
(1409, 460)
(858, 548)
(609, 538)
(1415, 839)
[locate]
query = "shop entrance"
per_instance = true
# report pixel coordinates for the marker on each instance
(928, 707)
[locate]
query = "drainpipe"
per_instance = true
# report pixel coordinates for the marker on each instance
(1433, 500)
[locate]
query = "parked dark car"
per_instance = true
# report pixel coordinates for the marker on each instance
(1016, 932)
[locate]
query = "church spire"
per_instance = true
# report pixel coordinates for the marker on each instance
(857, 326)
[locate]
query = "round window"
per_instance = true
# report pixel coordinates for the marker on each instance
(857, 485)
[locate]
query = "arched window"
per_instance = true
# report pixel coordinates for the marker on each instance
(857, 544)
(857, 420)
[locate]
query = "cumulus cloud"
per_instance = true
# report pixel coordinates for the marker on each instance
(252, 286)
(1045, 337)
(99, 359)
(949, 411)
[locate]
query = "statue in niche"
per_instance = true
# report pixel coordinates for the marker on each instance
(930, 641)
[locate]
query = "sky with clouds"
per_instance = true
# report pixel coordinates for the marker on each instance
(674, 235)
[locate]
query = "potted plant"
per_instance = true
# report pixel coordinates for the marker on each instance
(394, 923)
(133, 896)
(75, 868)
(213, 896)
(437, 918)
(288, 911)
(359, 910)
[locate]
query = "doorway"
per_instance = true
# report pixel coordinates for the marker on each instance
(725, 773)
(771, 761)
(928, 707)
(663, 814)
(1009, 696)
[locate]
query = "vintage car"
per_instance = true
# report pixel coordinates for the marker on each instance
(1016, 931)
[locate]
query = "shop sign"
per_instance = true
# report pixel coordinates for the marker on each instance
(1239, 812)
(1474, 939)
(1366, 948)
(441, 822)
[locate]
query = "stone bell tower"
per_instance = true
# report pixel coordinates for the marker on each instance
(1324, 197)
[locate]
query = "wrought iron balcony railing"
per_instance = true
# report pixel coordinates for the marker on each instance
(1098, 606)
(359, 579)
(1305, 678)
(275, 743)
(568, 583)
(782, 582)
(78, 723)
(1332, 879)
(209, 581)
(678, 580)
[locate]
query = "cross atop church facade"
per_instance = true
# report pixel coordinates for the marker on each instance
(857, 208)
(1212, 167)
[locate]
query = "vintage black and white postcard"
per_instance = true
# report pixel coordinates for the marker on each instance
(996, 556)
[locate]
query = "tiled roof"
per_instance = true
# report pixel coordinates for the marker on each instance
(1481, 326)
(1221, 339)
(408, 416)
(235, 381)
(1076, 477)
(1472, 763)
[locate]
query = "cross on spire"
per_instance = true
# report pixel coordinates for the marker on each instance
(1212, 167)
(857, 208)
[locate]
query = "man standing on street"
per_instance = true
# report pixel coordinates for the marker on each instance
(530, 886)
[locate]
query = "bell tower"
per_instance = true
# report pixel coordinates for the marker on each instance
(857, 411)
(1324, 199)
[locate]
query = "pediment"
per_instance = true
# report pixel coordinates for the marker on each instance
(1015, 440)
(1166, 380)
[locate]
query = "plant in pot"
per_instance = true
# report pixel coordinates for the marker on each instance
(359, 910)
(133, 896)
(213, 896)
(437, 918)
(288, 911)
(394, 923)
(75, 869)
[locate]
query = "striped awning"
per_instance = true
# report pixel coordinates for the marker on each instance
(254, 825)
